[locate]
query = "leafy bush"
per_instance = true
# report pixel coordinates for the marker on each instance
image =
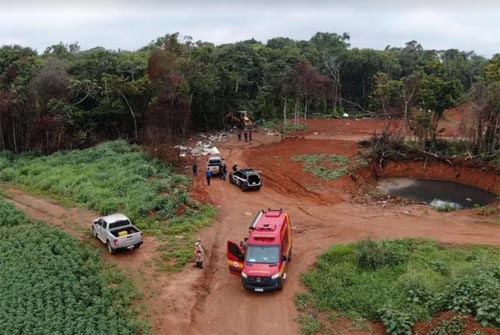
(373, 255)
(50, 284)
(454, 326)
(397, 322)
(402, 281)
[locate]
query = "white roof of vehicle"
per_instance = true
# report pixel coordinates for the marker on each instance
(214, 157)
(114, 218)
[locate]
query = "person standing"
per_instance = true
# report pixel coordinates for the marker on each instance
(199, 253)
(250, 135)
(224, 171)
(246, 136)
(244, 244)
(208, 174)
(239, 136)
(195, 168)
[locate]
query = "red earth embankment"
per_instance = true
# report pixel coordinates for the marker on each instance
(486, 180)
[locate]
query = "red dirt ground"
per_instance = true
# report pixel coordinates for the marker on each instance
(212, 301)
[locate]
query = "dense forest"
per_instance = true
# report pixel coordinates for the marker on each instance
(69, 98)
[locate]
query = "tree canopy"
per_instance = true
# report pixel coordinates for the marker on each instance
(67, 97)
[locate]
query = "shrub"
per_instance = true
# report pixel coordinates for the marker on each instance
(373, 255)
(397, 322)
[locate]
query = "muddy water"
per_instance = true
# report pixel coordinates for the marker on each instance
(437, 193)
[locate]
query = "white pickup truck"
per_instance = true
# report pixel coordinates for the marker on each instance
(214, 164)
(117, 232)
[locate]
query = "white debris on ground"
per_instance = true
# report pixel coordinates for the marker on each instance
(440, 204)
(203, 147)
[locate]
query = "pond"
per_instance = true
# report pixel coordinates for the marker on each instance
(437, 193)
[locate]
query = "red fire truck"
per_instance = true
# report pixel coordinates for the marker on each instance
(262, 259)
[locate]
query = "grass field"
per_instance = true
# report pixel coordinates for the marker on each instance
(50, 284)
(400, 282)
(117, 177)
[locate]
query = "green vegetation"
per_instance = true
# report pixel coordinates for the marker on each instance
(116, 177)
(84, 97)
(309, 324)
(454, 326)
(324, 166)
(402, 281)
(50, 284)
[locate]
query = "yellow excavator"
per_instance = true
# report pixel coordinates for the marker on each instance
(240, 119)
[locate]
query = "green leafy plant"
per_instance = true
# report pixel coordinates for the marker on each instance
(454, 326)
(396, 322)
(309, 324)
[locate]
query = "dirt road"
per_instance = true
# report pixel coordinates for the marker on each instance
(212, 301)
(228, 309)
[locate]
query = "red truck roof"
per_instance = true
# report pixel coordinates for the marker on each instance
(266, 227)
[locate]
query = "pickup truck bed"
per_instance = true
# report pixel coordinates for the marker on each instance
(130, 230)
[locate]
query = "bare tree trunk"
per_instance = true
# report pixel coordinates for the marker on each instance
(284, 120)
(14, 136)
(305, 111)
(133, 115)
(2, 141)
(295, 115)
(406, 98)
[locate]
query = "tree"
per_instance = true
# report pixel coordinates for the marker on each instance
(384, 90)
(406, 88)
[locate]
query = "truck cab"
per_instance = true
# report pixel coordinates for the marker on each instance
(262, 261)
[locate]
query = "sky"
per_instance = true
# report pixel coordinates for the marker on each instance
(130, 25)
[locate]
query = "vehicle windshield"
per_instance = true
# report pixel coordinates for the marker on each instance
(262, 254)
(214, 162)
(118, 224)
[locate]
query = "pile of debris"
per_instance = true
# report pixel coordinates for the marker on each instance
(203, 147)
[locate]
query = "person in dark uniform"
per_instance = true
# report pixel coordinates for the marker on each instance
(195, 168)
(223, 172)
(208, 174)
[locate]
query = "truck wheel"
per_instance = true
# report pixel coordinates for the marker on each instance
(280, 285)
(110, 249)
(137, 246)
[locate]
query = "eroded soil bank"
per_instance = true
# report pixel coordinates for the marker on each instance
(486, 180)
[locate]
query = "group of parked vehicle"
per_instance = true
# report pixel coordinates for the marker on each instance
(260, 259)
(246, 178)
